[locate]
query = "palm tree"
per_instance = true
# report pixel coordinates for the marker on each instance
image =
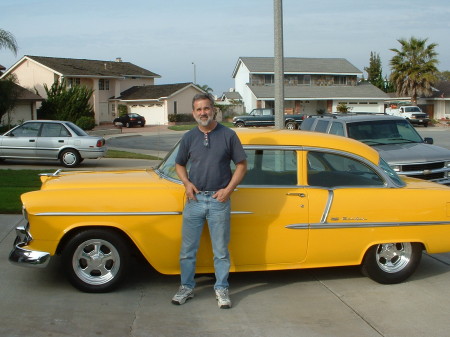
(7, 40)
(414, 68)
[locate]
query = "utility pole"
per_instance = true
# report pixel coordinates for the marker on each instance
(279, 64)
(195, 73)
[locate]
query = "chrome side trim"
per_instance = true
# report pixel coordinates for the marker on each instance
(241, 212)
(367, 225)
(326, 211)
(106, 213)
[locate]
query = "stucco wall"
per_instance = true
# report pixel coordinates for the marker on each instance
(31, 75)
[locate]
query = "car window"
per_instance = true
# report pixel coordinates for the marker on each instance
(271, 167)
(337, 129)
(321, 126)
(384, 131)
(54, 130)
(267, 112)
(332, 170)
(307, 124)
(27, 130)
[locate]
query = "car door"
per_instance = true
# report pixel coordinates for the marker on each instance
(21, 141)
(52, 138)
(265, 206)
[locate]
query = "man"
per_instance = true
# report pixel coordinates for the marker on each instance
(209, 149)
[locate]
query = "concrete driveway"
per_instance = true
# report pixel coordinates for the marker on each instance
(316, 302)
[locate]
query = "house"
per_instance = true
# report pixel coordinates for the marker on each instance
(230, 103)
(25, 108)
(311, 85)
(157, 102)
(107, 78)
(437, 106)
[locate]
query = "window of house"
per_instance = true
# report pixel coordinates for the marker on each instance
(72, 82)
(175, 107)
(304, 79)
(332, 170)
(269, 79)
(103, 84)
(340, 80)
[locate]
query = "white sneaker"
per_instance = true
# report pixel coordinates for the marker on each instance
(184, 293)
(223, 298)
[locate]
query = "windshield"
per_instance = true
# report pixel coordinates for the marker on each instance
(391, 173)
(413, 109)
(384, 132)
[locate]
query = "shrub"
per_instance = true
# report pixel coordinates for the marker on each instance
(86, 123)
(181, 118)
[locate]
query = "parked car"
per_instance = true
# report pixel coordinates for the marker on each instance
(266, 117)
(308, 200)
(394, 138)
(130, 120)
(51, 140)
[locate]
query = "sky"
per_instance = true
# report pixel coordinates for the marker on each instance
(175, 37)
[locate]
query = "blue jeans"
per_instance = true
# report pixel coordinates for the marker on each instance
(217, 214)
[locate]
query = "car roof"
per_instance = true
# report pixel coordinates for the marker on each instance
(358, 117)
(307, 139)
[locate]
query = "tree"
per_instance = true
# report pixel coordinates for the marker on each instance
(7, 40)
(374, 71)
(67, 104)
(9, 93)
(206, 88)
(444, 76)
(414, 68)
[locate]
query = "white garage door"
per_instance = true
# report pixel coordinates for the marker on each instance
(154, 114)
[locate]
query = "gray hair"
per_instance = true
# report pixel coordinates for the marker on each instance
(203, 96)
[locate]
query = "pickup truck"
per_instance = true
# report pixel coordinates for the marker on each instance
(411, 112)
(266, 117)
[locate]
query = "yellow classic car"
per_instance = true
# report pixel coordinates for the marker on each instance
(308, 200)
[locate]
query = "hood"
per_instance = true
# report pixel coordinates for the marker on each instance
(105, 191)
(412, 153)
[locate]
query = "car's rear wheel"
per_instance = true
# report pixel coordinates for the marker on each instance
(70, 158)
(95, 260)
(127, 124)
(291, 125)
(240, 124)
(390, 263)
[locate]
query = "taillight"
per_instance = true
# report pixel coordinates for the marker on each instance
(100, 142)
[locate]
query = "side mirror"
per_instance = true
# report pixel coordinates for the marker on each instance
(428, 140)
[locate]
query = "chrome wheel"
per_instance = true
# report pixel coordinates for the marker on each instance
(96, 262)
(393, 257)
(391, 263)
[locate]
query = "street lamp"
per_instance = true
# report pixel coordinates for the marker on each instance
(195, 73)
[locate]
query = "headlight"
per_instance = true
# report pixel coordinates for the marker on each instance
(396, 168)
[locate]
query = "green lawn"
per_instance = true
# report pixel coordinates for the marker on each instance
(12, 184)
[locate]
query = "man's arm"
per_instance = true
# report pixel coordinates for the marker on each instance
(191, 190)
(224, 194)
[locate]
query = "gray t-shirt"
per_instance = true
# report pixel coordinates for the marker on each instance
(210, 160)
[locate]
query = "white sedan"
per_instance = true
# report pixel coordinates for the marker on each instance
(51, 140)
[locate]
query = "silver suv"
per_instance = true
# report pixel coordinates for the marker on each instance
(394, 138)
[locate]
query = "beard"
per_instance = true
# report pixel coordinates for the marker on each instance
(203, 122)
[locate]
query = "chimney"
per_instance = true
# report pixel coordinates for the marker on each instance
(118, 59)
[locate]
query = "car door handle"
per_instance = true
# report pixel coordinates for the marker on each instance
(61, 141)
(301, 195)
(31, 140)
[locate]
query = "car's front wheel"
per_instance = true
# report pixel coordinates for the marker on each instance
(95, 260)
(240, 124)
(390, 263)
(70, 158)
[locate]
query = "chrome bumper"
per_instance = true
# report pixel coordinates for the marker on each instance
(25, 257)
